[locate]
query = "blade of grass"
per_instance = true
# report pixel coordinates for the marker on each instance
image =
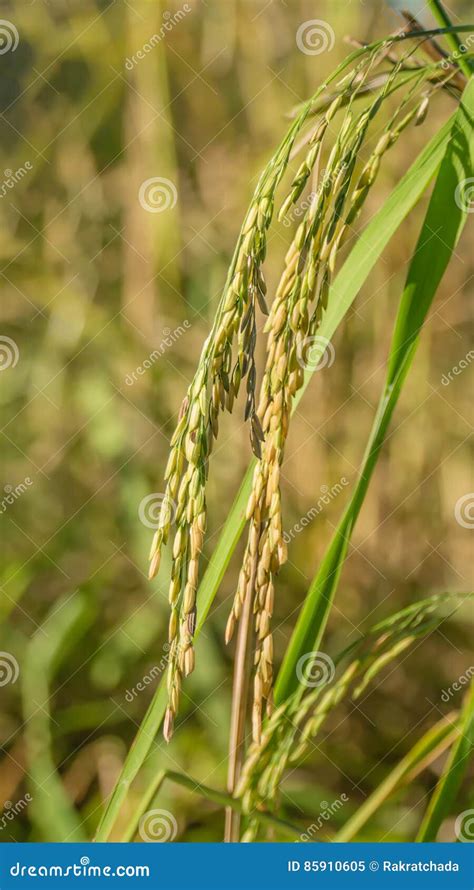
(442, 17)
(440, 232)
(428, 748)
(347, 284)
(145, 801)
(442, 800)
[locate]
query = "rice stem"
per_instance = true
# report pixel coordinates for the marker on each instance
(443, 19)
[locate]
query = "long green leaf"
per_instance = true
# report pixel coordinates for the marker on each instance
(347, 284)
(441, 229)
(441, 16)
(447, 788)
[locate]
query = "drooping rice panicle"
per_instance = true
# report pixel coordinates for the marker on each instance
(214, 388)
(228, 357)
(294, 319)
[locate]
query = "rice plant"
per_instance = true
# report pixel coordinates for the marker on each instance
(293, 322)
(333, 194)
(397, 80)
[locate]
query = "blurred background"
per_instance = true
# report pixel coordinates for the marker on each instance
(107, 297)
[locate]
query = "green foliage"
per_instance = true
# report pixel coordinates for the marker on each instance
(423, 278)
(427, 267)
(444, 796)
(94, 286)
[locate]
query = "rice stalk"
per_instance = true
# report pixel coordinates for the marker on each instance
(214, 388)
(295, 317)
(353, 273)
(228, 357)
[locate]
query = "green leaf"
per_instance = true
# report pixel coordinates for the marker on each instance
(442, 18)
(441, 229)
(352, 275)
(447, 788)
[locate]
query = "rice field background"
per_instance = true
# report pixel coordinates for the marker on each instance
(128, 165)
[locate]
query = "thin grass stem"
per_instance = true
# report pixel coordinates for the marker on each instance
(226, 800)
(443, 19)
(239, 709)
